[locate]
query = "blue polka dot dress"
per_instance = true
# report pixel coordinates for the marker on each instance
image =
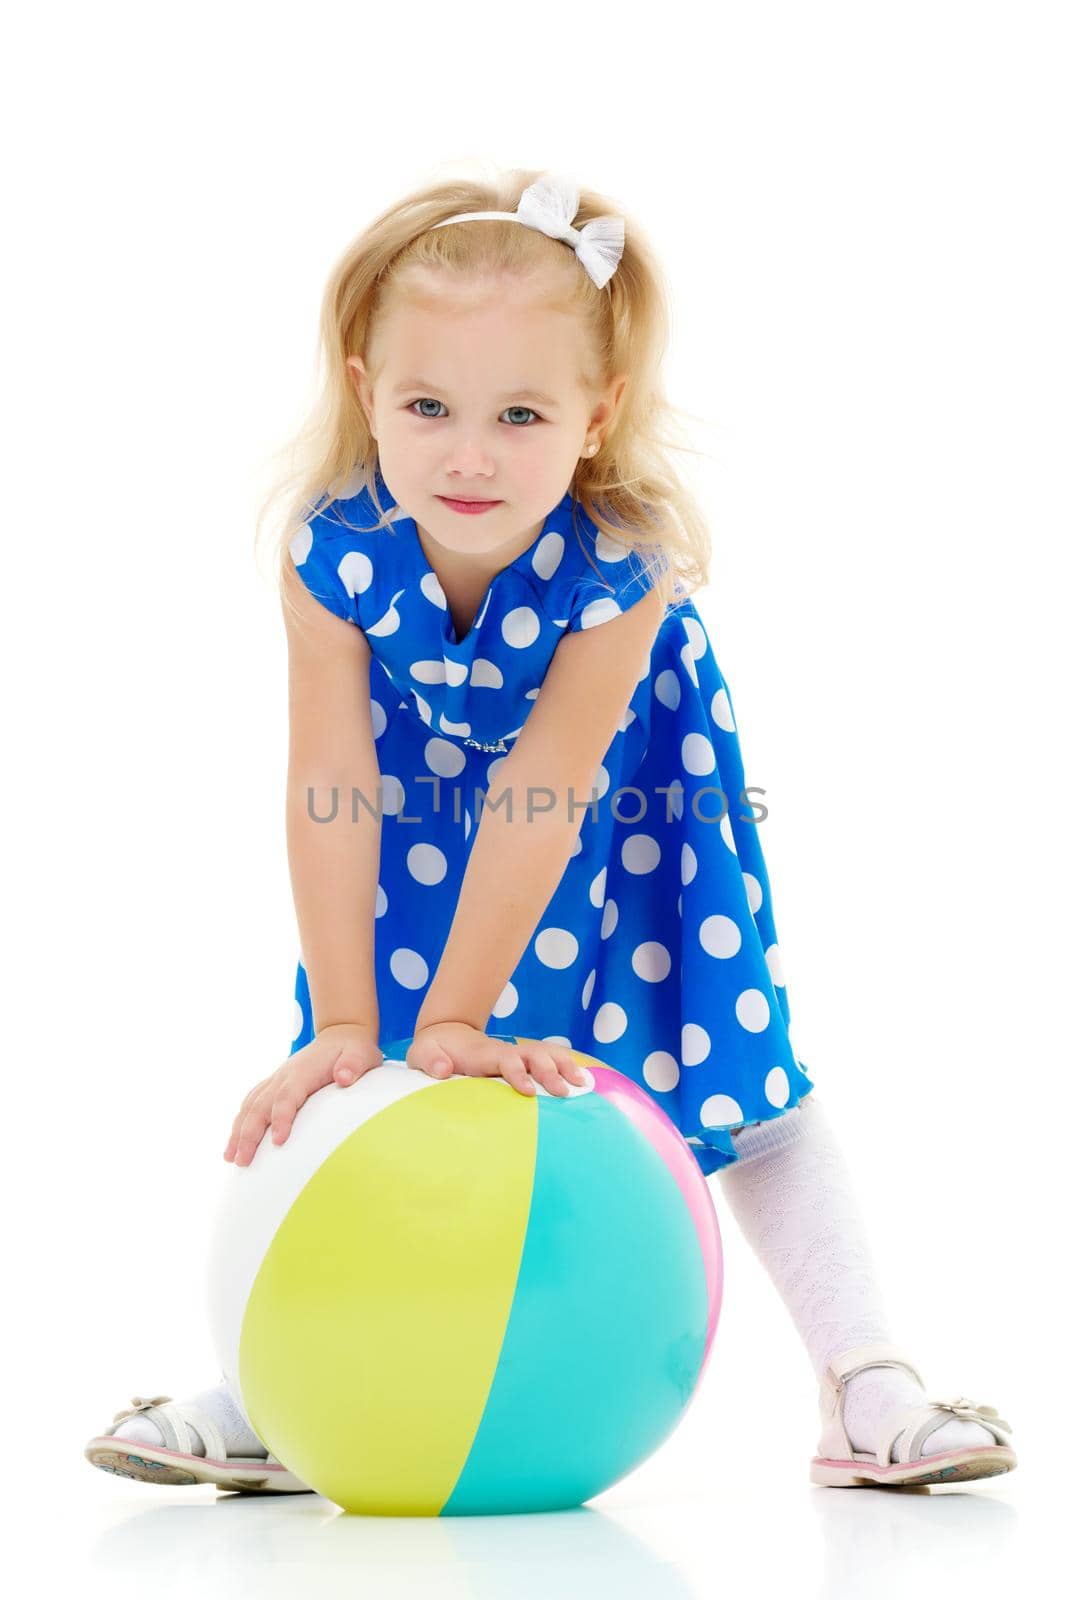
(657, 952)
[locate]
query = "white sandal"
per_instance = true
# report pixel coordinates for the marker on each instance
(175, 1461)
(839, 1465)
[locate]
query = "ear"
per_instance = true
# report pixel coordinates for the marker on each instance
(609, 404)
(357, 371)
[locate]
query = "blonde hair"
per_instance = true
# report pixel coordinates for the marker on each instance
(631, 489)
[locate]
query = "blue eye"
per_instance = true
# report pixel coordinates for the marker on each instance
(425, 400)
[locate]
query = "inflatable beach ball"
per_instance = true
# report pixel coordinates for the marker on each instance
(442, 1297)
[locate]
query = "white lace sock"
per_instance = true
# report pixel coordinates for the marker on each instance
(791, 1192)
(221, 1407)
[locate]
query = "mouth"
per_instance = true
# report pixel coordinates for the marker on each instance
(467, 500)
(467, 507)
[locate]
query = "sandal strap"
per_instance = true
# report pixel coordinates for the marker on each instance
(834, 1440)
(173, 1421)
(914, 1425)
(847, 1363)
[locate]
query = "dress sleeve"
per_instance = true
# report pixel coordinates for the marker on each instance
(628, 577)
(333, 565)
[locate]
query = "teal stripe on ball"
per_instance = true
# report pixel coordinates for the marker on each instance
(606, 1336)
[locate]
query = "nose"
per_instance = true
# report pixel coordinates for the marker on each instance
(468, 459)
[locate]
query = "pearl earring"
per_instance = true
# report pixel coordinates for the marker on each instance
(591, 449)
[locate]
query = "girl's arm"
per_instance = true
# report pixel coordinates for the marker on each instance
(516, 865)
(333, 864)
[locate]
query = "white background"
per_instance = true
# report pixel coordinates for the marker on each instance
(860, 209)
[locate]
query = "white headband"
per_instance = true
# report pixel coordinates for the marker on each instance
(549, 205)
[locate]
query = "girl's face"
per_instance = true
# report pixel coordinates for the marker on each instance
(480, 400)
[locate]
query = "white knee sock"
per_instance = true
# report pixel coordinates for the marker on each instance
(792, 1195)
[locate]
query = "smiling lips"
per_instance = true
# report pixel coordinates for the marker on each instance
(468, 505)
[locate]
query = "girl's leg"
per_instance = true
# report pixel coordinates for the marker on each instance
(792, 1194)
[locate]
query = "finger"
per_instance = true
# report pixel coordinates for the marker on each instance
(247, 1110)
(569, 1068)
(283, 1111)
(245, 1107)
(428, 1056)
(541, 1066)
(350, 1065)
(250, 1124)
(252, 1131)
(513, 1068)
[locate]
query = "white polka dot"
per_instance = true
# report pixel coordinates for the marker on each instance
(752, 1010)
(520, 627)
(696, 1044)
(548, 554)
(431, 588)
(667, 689)
(698, 639)
(720, 711)
(388, 623)
(774, 966)
(640, 853)
(444, 758)
(558, 1038)
(355, 571)
(610, 920)
(720, 936)
(556, 947)
(608, 548)
(298, 1018)
(598, 611)
(300, 544)
(485, 674)
(455, 671)
(685, 655)
(727, 832)
(651, 961)
(660, 1071)
(381, 903)
(587, 989)
(675, 797)
(754, 890)
(428, 671)
(720, 1111)
(776, 1087)
(393, 795)
(466, 823)
(506, 1004)
(426, 863)
(596, 888)
(460, 729)
(698, 755)
(609, 1023)
(378, 719)
(408, 968)
(689, 863)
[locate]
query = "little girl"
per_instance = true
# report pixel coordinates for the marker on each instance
(516, 794)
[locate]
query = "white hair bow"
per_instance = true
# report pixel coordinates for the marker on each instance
(549, 205)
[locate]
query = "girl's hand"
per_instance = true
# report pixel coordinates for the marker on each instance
(446, 1047)
(338, 1054)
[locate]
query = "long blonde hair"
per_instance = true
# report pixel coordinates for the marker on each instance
(631, 489)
